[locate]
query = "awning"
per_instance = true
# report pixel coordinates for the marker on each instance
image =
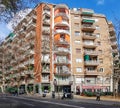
(94, 87)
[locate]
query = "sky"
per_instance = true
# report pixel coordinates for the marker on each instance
(110, 8)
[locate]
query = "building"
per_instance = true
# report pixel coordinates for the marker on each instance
(55, 48)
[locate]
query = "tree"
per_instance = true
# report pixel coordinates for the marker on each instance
(8, 8)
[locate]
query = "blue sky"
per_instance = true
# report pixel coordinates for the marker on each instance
(110, 8)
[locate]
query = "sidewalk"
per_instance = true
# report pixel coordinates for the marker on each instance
(105, 100)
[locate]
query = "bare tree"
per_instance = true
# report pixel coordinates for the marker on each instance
(8, 8)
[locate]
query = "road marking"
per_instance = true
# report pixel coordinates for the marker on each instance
(28, 104)
(73, 106)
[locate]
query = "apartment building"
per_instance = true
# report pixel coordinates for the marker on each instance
(55, 48)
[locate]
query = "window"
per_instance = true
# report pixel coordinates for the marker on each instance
(77, 41)
(98, 35)
(77, 33)
(78, 60)
(99, 43)
(78, 50)
(76, 17)
(78, 69)
(100, 51)
(76, 24)
(101, 60)
(101, 70)
(97, 27)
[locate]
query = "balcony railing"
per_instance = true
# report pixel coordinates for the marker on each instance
(46, 12)
(87, 12)
(63, 6)
(62, 62)
(46, 30)
(90, 45)
(63, 73)
(88, 27)
(45, 70)
(62, 23)
(62, 14)
(62, 82)
(46, 22)
(89, 36)
(30, 35)
(45, 61)
(113, 37)
(62, 50)
(61, 31)
(113, 43)
(94, 72)
(92, 62)
(31, 26)
(92, 52)
(45, 79)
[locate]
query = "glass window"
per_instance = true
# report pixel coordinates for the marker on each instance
(78, 69)
(76, 24)
(76, 17)
(77, 33)
(77, 41)
(78, 50)
(101, 70)
(78, 60)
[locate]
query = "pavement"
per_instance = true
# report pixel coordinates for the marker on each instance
(104, 100)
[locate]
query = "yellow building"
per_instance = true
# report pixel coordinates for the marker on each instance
(55, 48)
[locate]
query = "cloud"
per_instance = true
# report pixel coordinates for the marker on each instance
(100, 2)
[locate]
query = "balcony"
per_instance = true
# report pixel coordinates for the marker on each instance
(62, 62)
(91, 63)
(62, 82)
(46, 31)
(46, 22)
(65, 15)
(29, 62)
(29, 72)
(62, 23)
(112, 30)
(89, 36)
(62, 51)
(93, 53)
(113, 37)
(45, 70)
(45, 51)
(22, 74)
(31, 26)
(62, 42)
(31, 81)
(90, 45)
(21, 66)
(61, 6)
(114, 45)
(30, 35)
(22, 82)
(94, 72)
(115, 50)
(61, 31)
(87, 27)
(116, 58)
(45, 80)
(13, 62)
(45, 61)
(46, 12)
(21, 50)
(87, 12)
(63, 73)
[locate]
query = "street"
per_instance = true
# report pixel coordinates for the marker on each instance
(24, 102)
